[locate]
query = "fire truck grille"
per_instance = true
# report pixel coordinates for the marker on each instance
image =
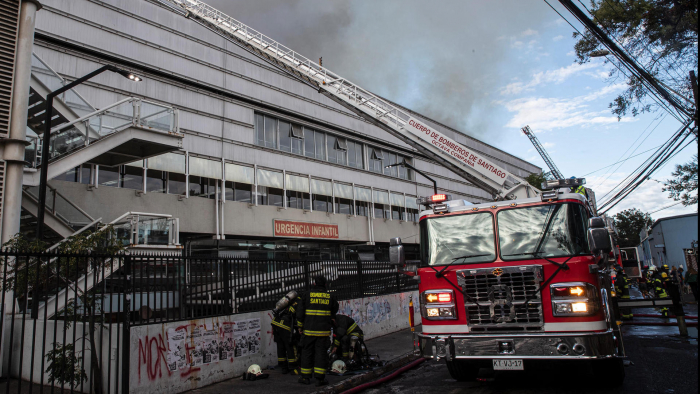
(495, 298)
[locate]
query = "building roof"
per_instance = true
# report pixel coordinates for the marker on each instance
(657, 221)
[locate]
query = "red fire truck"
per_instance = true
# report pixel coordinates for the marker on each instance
(502, 283)
(505, 283)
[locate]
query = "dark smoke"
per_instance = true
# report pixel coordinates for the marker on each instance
(445, 59)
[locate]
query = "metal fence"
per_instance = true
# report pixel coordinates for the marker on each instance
(66, 316)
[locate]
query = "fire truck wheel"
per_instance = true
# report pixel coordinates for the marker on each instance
(463, 370)
(608, 373)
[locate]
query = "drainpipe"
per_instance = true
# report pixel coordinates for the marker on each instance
(13, 152)
(14, 145)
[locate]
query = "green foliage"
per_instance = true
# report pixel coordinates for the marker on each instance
(536, 180)
(661, 35)
(685, 182)
(629, 224)
(64, 366)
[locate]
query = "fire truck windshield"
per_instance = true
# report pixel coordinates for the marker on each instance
(459, 239)
(543, 231)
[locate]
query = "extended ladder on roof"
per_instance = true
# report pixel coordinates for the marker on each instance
(474, 167)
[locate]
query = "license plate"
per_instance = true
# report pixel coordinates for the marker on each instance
(508, 365)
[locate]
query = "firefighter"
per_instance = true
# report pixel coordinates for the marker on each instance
(579, 189)
(346, 334)
(659, 281)
(315, 315)
(622, 291)
(283, 332)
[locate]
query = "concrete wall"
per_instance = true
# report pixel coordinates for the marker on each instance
(174, 357)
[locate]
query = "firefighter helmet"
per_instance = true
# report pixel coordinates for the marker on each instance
(339, 367)
(665, 266)
(255, 370)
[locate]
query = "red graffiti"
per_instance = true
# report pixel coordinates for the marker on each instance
(188, 352)
(151, 352)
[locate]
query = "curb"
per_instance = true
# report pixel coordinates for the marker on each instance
(357, 380)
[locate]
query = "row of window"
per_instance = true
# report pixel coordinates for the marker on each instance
(167, 174)
(279, 134)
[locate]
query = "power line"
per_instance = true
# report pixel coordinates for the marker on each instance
(668, 206)
(621, 161)
(635, 141)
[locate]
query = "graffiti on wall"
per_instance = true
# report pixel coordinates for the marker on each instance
(374, 310)
(186, 348)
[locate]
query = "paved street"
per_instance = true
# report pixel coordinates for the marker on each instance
(662, 362)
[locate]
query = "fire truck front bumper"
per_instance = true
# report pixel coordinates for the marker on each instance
(579, 345)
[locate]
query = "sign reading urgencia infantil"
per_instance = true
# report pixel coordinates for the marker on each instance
(286, 228)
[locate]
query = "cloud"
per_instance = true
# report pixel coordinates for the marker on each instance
(543, 113)
(558, 38)
(552, 76)
(529, 32)
(549, 144)
(648, 197)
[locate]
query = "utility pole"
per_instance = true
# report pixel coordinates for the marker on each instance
(694, 85)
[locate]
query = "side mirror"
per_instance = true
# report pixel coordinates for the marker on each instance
(397, 255)
(599, 241)
(596, 222)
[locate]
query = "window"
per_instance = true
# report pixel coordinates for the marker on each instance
(343, 198)
(270, 132)
(459, 239)
(108, 176)
(285, 136)
(412, 209)
(131, 176)
(381, 205)
(337, 149)
(259, 130)
(204, 176)
(363, 199)
(298, 192)
(156, 181)
(309, 144)
(397, 206)
(375, 159)
(239, 183)
(322, 195)
(171, 166)
(355, 154)
(543, 231)
(270, 188)
(389, 159)
(320, 145)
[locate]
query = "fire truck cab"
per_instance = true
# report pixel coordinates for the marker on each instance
(503, 283)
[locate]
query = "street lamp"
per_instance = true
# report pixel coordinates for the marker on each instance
(405, 164)
(47, 137)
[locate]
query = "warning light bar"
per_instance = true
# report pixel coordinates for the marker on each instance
(434, 199)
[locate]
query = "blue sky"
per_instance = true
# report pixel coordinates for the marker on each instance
(487, 68)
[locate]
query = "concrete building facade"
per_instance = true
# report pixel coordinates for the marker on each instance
(269, 167)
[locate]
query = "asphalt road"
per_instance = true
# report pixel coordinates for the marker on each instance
(661, 362)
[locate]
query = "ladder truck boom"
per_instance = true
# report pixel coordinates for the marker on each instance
(475, 167)
(540, 149)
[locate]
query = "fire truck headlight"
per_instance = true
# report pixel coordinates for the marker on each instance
(574, 299)
(438, 305)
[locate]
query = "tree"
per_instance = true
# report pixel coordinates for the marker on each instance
(685, 182)
(536, 180)
(661, 35)
(629, 224)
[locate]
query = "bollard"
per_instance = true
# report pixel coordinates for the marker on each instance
(678, 308)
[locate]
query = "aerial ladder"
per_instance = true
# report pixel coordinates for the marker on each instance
(540, 149)
(475, 167)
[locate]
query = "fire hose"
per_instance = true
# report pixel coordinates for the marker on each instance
(385, 378)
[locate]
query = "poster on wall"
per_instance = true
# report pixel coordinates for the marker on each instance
(195, 352)
(240, 338)
(210, 344)
(226, 341)
(253, 336)
(176, 345)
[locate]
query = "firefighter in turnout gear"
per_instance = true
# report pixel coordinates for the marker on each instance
(622, 291)
(283, 327)
(315, 315)
(659, 281)
(346, 334)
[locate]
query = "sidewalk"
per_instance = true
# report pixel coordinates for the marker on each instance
(388, 347)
